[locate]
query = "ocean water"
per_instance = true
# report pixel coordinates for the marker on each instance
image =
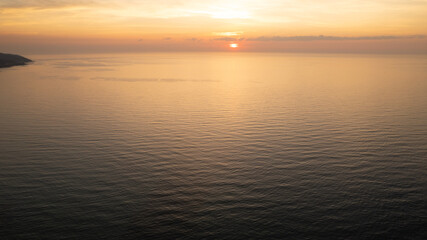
(214, 146)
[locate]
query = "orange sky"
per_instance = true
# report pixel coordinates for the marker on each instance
(49, 26)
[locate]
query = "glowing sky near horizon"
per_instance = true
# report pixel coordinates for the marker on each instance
(213, 24)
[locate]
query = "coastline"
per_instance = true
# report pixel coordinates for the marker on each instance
(10, 60)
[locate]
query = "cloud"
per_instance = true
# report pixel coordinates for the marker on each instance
(152, 79)
(225, 39)
(333, 38)
(43, 4)
(228, 39)
(194, 39)
(167, 38)
(227, 34)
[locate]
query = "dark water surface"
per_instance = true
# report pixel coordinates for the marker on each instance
(214, 146)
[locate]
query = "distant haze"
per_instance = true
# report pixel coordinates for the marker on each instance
(356, 26)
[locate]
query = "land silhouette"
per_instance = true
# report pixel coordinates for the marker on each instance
(10, 60)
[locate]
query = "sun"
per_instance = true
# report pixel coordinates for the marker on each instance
(234, 45)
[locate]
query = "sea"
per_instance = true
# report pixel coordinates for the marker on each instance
(214, 146)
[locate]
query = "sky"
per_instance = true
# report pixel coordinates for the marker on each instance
(68, 26)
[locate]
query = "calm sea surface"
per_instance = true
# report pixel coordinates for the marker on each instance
(214, 146)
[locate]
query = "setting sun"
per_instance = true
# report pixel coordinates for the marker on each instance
(234, 45)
